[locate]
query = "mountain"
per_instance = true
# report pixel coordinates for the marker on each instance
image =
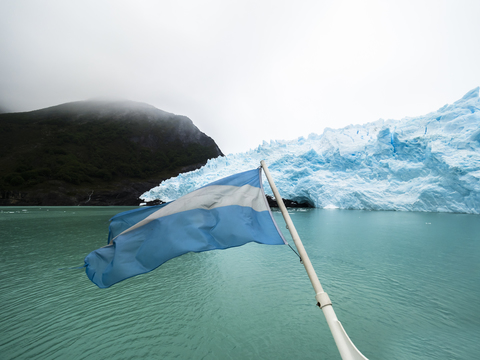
(424, 163)
(95, 152)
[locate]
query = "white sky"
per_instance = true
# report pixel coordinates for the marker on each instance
(243, 71)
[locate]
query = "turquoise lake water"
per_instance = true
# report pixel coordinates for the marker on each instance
(404, 286)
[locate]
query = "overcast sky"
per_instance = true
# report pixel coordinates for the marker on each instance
(243, 71)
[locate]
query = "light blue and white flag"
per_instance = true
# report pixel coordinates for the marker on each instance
(226, 213)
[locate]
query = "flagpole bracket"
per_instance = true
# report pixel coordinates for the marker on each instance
(323, 300)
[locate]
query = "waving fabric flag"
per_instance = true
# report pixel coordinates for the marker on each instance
(226, 213)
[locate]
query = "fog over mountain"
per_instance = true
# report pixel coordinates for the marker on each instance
(243, 71)
(424, 163)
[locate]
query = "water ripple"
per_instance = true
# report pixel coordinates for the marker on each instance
(402, 291)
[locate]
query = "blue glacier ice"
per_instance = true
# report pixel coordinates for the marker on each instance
(424, 163)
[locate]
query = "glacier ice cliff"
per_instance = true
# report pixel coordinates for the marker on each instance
(424, 163)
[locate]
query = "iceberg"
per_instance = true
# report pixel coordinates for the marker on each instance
(425, 163)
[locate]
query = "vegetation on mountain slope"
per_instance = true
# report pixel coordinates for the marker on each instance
(96, 145)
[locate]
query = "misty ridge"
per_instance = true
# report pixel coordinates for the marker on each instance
(72, 149)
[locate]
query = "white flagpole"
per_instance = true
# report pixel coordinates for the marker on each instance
(347, 349)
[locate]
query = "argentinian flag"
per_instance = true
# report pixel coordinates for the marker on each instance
(226, 213)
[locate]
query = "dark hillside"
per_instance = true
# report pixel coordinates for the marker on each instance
(76, 151)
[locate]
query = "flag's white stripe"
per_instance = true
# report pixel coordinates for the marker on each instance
(210, 197)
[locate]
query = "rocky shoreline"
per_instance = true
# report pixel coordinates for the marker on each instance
(126, 194)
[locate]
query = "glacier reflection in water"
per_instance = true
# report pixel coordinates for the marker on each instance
(404, 285)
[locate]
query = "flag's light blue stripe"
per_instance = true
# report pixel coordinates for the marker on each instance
(250, 177)
(127, 219)
(210, 197)
(196, 230)
(121, 222)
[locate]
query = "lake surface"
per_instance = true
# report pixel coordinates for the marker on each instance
(404, 286)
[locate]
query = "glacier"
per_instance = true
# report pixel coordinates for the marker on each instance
(425, 163)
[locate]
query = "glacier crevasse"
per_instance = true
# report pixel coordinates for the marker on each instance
(424, 163)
